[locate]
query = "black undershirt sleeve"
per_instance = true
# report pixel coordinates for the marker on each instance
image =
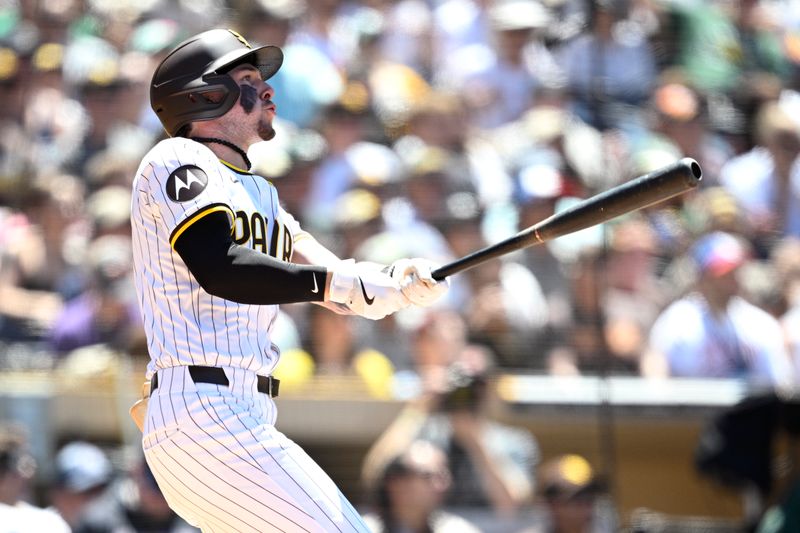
(241, 274)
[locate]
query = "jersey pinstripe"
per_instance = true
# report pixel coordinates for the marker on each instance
(184, 324)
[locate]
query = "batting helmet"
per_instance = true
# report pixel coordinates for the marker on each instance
(191, 82)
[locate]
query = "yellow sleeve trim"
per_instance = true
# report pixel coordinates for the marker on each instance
(197, 216)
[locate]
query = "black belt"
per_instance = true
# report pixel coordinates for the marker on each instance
(216, 376)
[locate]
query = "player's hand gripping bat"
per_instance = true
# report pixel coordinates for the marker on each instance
(649, 189)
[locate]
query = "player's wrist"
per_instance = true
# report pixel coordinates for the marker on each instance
(326, 295)
(340, 282)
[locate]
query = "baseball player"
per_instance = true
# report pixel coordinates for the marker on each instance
(214, 254)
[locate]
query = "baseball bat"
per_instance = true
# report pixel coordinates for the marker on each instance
(646, 190)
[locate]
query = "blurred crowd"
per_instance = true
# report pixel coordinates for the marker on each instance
(432, 128)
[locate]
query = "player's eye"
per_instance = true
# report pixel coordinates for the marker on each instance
(213, 97)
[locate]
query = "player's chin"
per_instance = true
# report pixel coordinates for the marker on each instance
(265, 131)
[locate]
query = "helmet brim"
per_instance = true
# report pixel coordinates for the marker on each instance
(267, 59)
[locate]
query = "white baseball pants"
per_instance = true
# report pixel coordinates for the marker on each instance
(223, 467)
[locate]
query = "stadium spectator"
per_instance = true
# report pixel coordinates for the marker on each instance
(105, 312)
(410, 492)
(17, 469)
(82, 473)
(35, 274)
(610, 69)
(491, 463)
(632, 294)
(573, 497)
(133, 502)
(766, 180)
(376, 85)
(713, 331)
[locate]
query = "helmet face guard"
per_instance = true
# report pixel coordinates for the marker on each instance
(192, 84)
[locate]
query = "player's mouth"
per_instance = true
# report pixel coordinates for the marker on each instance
(270, 106)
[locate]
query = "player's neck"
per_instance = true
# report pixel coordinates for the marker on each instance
(225, 150)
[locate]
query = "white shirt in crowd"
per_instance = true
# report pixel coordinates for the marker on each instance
(746, 342)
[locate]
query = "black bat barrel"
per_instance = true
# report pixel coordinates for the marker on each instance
(646, 190)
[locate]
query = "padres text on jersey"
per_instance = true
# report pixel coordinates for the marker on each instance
(178, 182)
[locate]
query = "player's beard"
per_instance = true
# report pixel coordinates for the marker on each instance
(265, 129)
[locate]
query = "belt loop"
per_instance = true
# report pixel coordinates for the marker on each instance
(153, 383)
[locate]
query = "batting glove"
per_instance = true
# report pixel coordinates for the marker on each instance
(416, 281)
(368, 292)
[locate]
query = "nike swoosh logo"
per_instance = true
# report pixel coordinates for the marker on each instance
(364, 292)
(157, 85)
(315, 290)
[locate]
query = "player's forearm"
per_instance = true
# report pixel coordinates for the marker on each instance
(243, 275)
(251, 277)
(501, 496)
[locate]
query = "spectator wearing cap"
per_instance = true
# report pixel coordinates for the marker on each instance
(133, 502)
(82, 473)
(406, 36)
(409, 218)
(573, 497)
(610, 69)
(46, 65)
(107, 209)
(458, 24)
(713, 332)
(357, 217)
(439, 121)
(719, 210)
(111, 87)
(766, 180)
(501, 88)
(467, 163)
(342, 126)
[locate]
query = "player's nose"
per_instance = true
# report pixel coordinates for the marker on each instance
(267, 92)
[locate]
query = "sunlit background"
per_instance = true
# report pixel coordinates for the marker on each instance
(635, 376)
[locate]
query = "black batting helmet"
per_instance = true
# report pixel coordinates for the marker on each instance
(191, 82)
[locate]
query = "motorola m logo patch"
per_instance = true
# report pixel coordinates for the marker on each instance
(186, 183)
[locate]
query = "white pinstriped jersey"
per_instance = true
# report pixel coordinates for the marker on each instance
(177, 183)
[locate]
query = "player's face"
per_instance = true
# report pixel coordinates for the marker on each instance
(254, 112)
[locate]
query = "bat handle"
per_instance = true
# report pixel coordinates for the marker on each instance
(525, 237)
(455, 267)
(440, 273)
